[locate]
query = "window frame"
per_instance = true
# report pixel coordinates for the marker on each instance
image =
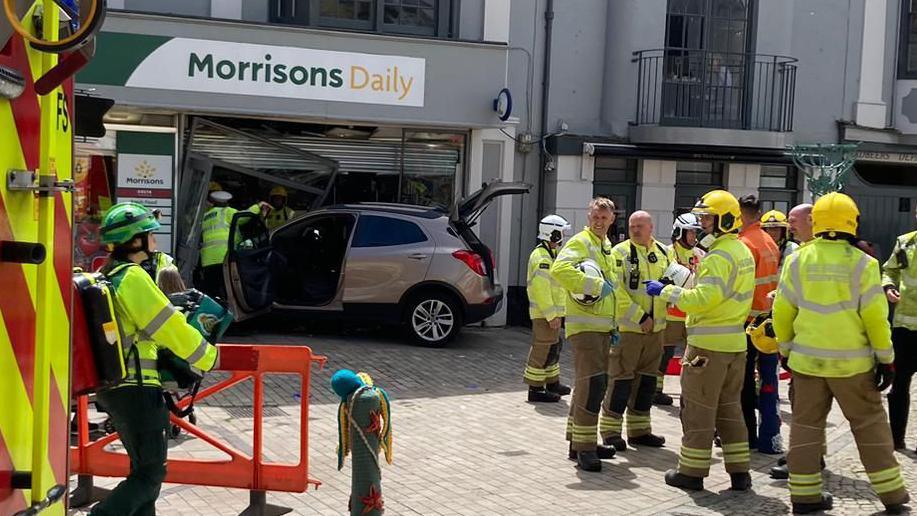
(308, 13)
(903, 40)
(387, 218)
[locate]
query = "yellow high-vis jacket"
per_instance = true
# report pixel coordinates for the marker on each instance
(580, 318)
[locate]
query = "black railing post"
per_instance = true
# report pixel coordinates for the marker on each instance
(639, 59)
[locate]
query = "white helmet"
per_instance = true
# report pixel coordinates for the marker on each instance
(683, 222)
(591, 270)
(553, 228)
(679, 275)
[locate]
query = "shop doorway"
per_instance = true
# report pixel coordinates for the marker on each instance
(616, 178)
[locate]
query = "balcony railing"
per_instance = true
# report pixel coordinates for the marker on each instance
(700, 88)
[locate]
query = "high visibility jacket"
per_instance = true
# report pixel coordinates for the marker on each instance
(900, 271)
(718, 305)
(215, 233)
(767, 260)
(546, 297)
(149, 323)
(690, 258)
(830, 313)
(632, 267)
(579, 318)
(158, 262)
(277, 218)
(787, 248)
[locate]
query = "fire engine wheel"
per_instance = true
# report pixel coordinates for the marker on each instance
(90, 15)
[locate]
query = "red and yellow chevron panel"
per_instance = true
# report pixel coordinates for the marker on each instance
(36, 134)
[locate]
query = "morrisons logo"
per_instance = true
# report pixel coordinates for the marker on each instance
(140, 181)
(265, 71)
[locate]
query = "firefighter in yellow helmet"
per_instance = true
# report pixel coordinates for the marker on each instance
(584, 268)
(831, 321)
(775, 224)
(714, 361)
(149, 323)
(280, 213)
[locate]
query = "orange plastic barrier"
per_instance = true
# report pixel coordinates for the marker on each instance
(90, 458)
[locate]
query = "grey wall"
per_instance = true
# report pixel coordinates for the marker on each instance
(177, 7)
(471, 20)
(256, 12)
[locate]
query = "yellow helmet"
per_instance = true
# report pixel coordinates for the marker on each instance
(761, 334)
(774, 219)
(835, 213)
(278, 191)
(214, 187)
(724, 206)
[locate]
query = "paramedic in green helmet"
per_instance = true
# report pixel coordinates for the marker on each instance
(148, 323)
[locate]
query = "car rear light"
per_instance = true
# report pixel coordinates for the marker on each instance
(472, 260)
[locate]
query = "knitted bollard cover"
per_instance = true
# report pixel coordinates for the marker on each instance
(364, 428)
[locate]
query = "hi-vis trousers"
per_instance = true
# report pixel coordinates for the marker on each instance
(590, 366)
(633, 370)
(543, 365)
(711, 385)
(861, 404)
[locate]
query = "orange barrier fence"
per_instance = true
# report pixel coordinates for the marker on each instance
(240, 470)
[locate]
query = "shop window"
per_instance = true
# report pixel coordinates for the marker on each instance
(886, 174)
(907, 55)
(420, 17)
(374, 231)
(616, 178)
(778, 187)
(693, 179)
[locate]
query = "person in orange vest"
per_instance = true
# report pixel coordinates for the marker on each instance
(766, 437)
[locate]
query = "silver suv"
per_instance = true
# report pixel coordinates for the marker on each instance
(420, 267)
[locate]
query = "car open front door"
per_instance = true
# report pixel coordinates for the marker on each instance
(249, 265)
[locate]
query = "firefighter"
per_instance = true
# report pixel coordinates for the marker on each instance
(215, 240)
(150, 323)
(589, 324)
(830, 318)
(684, 250)
(766, 437)
(899, 279)
(634, 365)
(280, 213)
(546, 309)
(775, 224)
(714, 361)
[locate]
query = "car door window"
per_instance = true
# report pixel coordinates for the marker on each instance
(376, 231)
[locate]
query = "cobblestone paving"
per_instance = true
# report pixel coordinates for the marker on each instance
(467, 442)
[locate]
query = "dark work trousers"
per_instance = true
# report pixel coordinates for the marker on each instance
(899, 398)
(766, 436)
(141, 419)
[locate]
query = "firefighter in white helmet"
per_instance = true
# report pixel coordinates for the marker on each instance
(546, 309)
(684, 250)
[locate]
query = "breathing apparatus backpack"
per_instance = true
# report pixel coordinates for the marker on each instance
(99, 360)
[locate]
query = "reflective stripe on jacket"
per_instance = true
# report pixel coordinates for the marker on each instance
(830, 313)
(690, 258)
(903, 277)
(277, 218)
(767, 260)
(631, 304)
(149, 322)
(579, 318)
(546, 296)
(718, 305)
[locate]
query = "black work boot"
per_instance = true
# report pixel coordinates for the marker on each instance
(826, 503)
(605, 452)
(740, 481)
(780, 472)
(662, 399)
(542, 396)
(617, 442)
(588, 461)
(895, 508)
(651, 440)
(676, 479)
(557, 388)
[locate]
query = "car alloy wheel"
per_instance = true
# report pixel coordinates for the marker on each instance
(432, 320)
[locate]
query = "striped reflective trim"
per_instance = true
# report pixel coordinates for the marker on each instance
(907, 319)
(742, 297)
(871, 294)
(694, 458)
(785, 290)
(805, 484)
(199, 352)
(714, 280)
(676, 293)
(696, 453)
(765, 280)
(784, 348)
(534, 374)
(734, 447)
(610, 424)
(723, 254)
(887, 480)
(590, 319)
(715, 330)
(885, 356)
(147, 363)
(802, 349)
(631, 314)
(157, 322)
(213, 243)
(734, 453)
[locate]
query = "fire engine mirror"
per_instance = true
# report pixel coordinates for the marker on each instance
(89, 113)
(22, 252)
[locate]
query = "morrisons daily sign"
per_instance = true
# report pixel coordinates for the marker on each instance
(272, 71)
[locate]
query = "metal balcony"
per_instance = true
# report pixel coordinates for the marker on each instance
(701, 88)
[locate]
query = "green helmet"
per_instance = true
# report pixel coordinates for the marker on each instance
(124, 220)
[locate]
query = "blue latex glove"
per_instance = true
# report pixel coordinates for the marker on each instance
(607, 289)
(615, 338)
(654, 288)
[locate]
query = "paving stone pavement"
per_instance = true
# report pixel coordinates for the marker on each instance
(467, 443)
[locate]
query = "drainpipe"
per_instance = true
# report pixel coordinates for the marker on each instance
(545, 91)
